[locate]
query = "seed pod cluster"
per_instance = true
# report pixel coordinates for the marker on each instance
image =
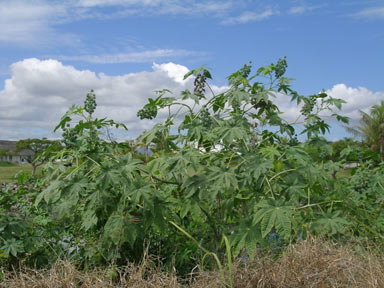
(205, 118)
(199, 84)
(149, 112)
(90, 102)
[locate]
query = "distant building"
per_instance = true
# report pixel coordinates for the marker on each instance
(8, 153)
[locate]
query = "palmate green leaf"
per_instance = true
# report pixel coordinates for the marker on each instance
(335, 102)
(270, 152)
(77, 185)
(99, 198)
(129, 167)
(13, 225)
(89, 219)
(144, 196)
(190, 205)
(255, 167)
(185, 159)
(297, 156)
(73, 110)
(188, 95)
(195, 130)
(64, 207)
(231, 132)
(296, 191)
(201, 70)
(218, 103)
(70, 195)
(148, 136)
(51, 194)
(343, 119)
(119, 229)
(330, 223)
(237, 96)
(224, 177)
(157, 165)
(194, 184)
(274, 214)
(108, 176)
(13, 247)
(246, 236)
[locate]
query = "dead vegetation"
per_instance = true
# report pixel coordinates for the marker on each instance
(311, 263)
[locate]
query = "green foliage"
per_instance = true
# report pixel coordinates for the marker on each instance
(226, 167)
(27, 234)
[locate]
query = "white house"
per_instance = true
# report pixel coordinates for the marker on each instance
(8, 153)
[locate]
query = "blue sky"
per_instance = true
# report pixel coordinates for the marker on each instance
(53, 52)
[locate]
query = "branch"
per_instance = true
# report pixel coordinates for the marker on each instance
(211, 223)
(166, 181)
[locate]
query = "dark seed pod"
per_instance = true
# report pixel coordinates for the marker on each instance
(199, 84)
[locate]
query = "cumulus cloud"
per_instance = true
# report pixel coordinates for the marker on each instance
(39, 92)
(359, 98)
(174, 71)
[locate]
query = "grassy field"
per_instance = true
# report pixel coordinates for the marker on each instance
(8, 170)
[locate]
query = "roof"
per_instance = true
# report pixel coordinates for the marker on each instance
(10, 146)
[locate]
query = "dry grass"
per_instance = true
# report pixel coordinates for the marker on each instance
(65, 275)
(312, 263)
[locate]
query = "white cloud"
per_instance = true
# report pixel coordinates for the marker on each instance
(37, 23)
(93, 3)
(357, 99)
(133, 57)
(31, 22)
(250, 17)
(298, 10)
(174, 71)
(39, 92)
(159, 7)
(370, 13)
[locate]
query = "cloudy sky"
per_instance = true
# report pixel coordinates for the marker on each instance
(53, 52)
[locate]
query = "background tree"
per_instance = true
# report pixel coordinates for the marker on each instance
(371, 128)
(3, 152)
(41, 148)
